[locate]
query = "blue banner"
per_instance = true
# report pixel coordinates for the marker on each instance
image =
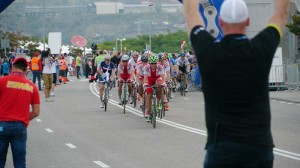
(209, 10)
(4, 4)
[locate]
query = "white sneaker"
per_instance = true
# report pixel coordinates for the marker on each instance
(52, 94)
(120, 102)
(102, 105)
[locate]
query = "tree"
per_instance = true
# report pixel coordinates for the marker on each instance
(160, 43)
(294, 26)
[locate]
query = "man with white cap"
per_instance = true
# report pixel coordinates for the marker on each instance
(237, 111)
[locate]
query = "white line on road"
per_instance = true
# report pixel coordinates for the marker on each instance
(71, 145)
(186, 98)
(280, 152)
(38, 120)
(49, 130)
(103, 165)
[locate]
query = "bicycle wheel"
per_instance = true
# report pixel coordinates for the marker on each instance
(105, 99)
(144, 104)
(159, 110)
(153, 113)
(169, 93)
(181, 85)
(29, 75)
(163, 109)
(124, 97)
(134, 95)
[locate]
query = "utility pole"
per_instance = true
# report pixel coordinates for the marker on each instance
(44, 25)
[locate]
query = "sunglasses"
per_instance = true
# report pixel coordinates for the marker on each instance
(107, 60)
(125, 61)
(153, 63)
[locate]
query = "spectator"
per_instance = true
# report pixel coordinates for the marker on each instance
(16, 95)
(5, 67)
(78, 65)
(47, 76)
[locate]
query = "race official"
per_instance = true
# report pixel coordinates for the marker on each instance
(235, 73)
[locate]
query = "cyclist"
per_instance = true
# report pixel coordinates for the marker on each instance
(165, 64)
(125, 73)
(153, 76)
(140, 74)
(183, 67)
(103, 67)
(172, 60)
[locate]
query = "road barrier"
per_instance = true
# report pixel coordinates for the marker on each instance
(293, 82)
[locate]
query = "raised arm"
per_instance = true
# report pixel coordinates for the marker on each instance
(192, 15)
(280, 15)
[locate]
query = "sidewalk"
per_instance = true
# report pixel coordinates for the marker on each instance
(289, 96)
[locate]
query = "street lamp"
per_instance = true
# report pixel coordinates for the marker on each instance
(44, 25)
(121, 40)
(150, 23)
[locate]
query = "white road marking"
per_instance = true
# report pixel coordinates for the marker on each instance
(103, 165)
(38, 120)
(279, 152)
(186, 98)
(290, 103)
(49, 130)
(71, 145)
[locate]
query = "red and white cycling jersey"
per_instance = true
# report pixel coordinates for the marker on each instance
(125, 69)
(153, 73)
(166, 65)
(133, 63)
(140, 68)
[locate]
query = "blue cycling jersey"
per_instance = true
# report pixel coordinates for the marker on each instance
(106, 67)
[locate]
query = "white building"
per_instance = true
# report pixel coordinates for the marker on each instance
(109, 7)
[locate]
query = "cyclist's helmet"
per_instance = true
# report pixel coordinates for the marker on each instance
(107, 57)
(144, 58)
(148, 53)
(182, 54)
(160, 56)
(135, 55)
(143, 51)
(153, 59)
(125, 57)
(128, 53)
(170, 56)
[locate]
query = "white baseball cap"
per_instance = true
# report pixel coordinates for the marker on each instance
(234, 11)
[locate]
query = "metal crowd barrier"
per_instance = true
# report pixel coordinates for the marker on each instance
(293, 82)
(194, 79)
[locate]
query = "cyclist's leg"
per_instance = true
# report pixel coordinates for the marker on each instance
(120, 90)
(101, 88)
(129, 84)
(159, 82)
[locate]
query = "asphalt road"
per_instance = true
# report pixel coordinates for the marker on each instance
(74, 132)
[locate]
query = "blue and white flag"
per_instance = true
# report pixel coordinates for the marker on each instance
(4, 4)
(210, 10)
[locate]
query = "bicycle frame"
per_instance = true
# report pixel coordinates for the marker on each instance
(156, 107)
(124, 95)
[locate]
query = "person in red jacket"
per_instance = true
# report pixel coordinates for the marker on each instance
(17, 93)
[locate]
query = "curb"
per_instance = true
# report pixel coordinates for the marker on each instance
(290, 101)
